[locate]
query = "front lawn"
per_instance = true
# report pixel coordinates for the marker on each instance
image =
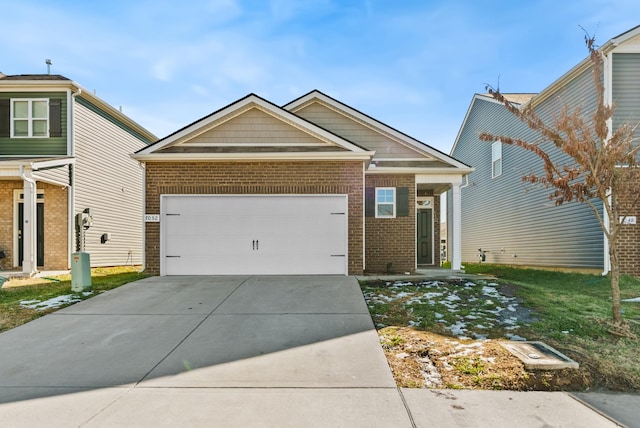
(25, 299)
(423, 323)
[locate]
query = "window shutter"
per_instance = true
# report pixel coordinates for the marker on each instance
(5, 118)
(402, 202)
(369, 201)
(55, 117)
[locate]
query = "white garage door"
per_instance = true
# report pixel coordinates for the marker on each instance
(239, 235)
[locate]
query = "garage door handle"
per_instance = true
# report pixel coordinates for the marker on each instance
(338, 213)
(256, 244)
(337, 255)
(173, 256)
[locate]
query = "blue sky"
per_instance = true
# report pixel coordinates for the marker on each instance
(413, 65)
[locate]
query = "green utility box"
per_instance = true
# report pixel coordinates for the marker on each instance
(80, 272)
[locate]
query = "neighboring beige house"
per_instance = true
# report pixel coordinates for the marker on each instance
(63, 151)
(312, 187)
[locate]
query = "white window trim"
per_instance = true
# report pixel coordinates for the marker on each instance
(393, 189)
(496, 159)
(29, 118)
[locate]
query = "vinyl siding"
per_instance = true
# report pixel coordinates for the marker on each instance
(37, 146)
(351, 130)
(515, 221)
(55, 175)
(626, 89)
(255, 127)
(110, 182)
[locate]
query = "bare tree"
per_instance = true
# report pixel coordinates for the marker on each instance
(602, 164)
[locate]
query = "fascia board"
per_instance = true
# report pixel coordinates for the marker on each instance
(610, 46)
(208, 157)
(202, 125)
(52, 163)
(464, 121)
(64, 85)
(376, 125)
(432, 171)
(103, 105)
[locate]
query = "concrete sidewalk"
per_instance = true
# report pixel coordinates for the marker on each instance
(235, 352)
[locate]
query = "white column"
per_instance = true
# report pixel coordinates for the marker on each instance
(456, 239)
(29, 226)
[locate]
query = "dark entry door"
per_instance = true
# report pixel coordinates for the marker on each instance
(425, 237)
(39, 232)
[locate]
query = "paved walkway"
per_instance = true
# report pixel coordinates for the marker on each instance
(235, 352)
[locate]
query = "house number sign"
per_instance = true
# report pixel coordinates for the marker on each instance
(152, 218)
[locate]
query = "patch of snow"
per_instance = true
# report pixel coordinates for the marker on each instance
(432, 378)
(53, 303)
(402, 284)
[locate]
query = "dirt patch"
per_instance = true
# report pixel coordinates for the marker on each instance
(447, 334)
(420, 359)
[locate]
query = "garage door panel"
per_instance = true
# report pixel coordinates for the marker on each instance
(254, 234)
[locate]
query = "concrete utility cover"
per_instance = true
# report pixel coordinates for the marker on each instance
(539, 356)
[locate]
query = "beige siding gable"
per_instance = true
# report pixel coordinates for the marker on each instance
(255, 127)
(358, 132)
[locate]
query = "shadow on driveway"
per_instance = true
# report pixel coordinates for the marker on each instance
(210, 332)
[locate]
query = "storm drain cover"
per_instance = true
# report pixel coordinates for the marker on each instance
(539, 356)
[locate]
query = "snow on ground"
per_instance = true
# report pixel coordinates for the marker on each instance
(54, 303)
(465, 309)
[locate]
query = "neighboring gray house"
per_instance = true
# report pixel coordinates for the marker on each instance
(515, 223)
(64, 150)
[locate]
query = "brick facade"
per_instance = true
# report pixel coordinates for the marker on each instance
(55, 224)
(629, 240)
(390, 243)
(256, 178)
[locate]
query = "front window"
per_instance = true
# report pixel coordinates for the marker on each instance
(496, 159)
(29, 118)
(385, 202)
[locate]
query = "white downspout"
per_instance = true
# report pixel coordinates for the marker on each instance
(608, 99)
(29, 225)
(71, 152)
(144, 223)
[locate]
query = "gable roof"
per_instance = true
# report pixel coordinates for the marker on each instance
(515, 98)
(399, 137)
(313, 141)
(56, 82)
(610, 46)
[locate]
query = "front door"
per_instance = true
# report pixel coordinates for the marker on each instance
(39, 233)
(425, 237)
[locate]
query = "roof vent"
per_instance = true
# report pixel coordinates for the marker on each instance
(48, 62)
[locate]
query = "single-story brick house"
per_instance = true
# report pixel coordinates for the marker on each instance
(311, 187)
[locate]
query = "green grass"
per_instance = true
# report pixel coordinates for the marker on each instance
(572, 314)
(12, 314)
(575, 313)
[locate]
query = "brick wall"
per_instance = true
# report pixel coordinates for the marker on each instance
(391, 240)
(55, 224)
(629, 239)
(247, 178)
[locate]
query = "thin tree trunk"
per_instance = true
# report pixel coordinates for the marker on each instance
(615, 285)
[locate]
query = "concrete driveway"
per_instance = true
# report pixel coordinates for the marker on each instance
(233, 352)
